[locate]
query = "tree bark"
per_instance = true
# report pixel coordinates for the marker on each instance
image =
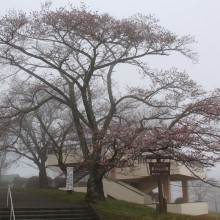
(0, 176)
(43, 180)
(95, 191)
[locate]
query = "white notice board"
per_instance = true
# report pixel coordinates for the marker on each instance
(69, 178)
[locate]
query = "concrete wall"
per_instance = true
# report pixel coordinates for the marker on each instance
(73, 157)
(138, 171)
(125, 192)
(120, 191)
(142, 170)
(198, 208)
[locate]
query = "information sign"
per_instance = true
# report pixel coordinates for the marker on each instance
(69, 178)
(159, 168)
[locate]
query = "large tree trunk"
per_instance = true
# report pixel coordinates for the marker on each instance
(95, 191)
(43, 180)
(61, 164)
(0, 176)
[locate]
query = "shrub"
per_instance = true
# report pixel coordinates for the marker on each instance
(59, 182)
(33, 182)
(19, 181)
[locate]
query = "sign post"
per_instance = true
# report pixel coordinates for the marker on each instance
(159, 169)
(69, 180)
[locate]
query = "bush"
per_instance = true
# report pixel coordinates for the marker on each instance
(33, 182)
(59, 182)
(19, 181)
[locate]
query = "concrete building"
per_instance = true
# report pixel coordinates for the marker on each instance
(135, 184)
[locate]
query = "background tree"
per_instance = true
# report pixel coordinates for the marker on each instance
(20, 181)
(199, 189)
(30, 141)
(74, 52)
(30, 134)
(4, 164)
(33, 182)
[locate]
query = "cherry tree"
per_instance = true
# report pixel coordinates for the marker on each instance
(75, 53)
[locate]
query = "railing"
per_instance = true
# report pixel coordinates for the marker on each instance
(9, 196)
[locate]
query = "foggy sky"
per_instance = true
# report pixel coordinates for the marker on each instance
(199, 18)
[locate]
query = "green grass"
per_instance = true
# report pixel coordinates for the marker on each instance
(76, 198)
(113, 209)
(120, 210)
(215, 214)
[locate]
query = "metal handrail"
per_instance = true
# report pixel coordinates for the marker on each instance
(9, 196)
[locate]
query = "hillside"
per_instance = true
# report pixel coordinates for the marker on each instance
(118, 210)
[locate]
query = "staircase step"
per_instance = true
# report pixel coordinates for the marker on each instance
(75, 213)
(80, 218)
(71, 218)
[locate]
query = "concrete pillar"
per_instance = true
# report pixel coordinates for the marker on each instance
(185, 191)
(160, 194)
(166, 188)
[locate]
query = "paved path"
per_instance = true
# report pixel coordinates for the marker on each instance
(29, 200)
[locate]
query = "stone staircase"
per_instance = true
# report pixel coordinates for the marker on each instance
(31, 206)
(73, 213)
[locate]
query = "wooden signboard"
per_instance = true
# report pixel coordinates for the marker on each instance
(159, 168)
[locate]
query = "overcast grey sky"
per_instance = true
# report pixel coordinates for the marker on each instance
(200, 18)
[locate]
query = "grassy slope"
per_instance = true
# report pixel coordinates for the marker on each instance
(119, 210)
